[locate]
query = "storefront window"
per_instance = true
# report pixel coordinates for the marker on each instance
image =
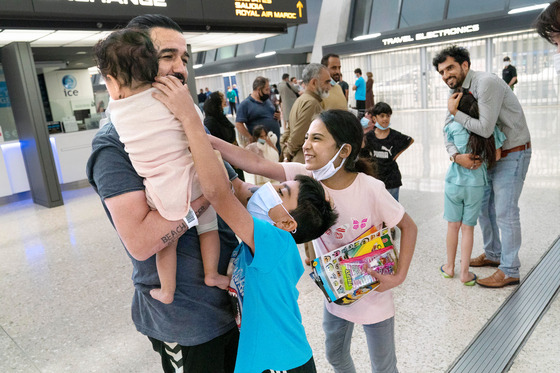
(226, 52)
(250, 48)
(306, 33)
(284, 41)
(360, 18)
(210, 56)
(462, 8)
(384, 16)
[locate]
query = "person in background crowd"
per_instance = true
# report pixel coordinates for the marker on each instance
(232, 98)
(288, 95)
(360, 88)
(385, 145)
(368, 121)
(509, 73)
(265, 148)
(258, 109)
(198, 330)
(207, 92)
(498, 105)
(237, 93)
(336, 98)
(296, 84)
(218, 124)
(201, 98)
(345, 87)
(369, 90)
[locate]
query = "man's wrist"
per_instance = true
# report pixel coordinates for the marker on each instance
(452, 158)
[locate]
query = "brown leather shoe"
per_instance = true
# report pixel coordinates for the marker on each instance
(481, 261)
(497, 280)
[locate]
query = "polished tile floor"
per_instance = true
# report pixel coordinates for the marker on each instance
(65, 286)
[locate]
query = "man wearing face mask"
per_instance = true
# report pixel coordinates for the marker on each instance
(258, 109)
(337, 99)
(509, 73)
(498, 105)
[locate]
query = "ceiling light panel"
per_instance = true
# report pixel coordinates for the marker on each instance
(61, 38)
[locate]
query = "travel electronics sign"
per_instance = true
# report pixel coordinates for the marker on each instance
(428, 35)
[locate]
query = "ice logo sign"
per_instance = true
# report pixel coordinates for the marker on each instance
(69, 83)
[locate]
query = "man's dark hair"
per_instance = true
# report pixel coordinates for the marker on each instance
(382, 108)
(314, 214)
(548, 21)
(148, 21)
(325, 59)
(129, 56)
(485, 148)
(259, 82)
(506, 58)
(459, 54)
(285, 76)
(358, 71)
(213, 105)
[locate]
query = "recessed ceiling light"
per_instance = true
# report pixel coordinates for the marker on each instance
(265, 54)
(365, 37)
(528, 8)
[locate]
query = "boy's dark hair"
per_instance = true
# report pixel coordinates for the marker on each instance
(285, 76)
(382, 108)
(345, 128)
(325, 59)
(480, 146)
(148, 21)
(548, 21)
(213, 105)
(358, 70)
(459, 54)
(314, 214)
(258, 130)
(129, 56)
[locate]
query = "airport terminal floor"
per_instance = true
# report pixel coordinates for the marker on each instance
(65, 285)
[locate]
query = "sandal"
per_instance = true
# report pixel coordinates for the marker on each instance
(444, 274)
(471, 282)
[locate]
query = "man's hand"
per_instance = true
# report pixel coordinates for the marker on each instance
(468, 161)
(175, 96)
(453, 102)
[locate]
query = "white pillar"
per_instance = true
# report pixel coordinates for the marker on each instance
(332, 26)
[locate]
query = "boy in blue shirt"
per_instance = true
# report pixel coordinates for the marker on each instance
(464, 188)
(360, 88)
(272, 336)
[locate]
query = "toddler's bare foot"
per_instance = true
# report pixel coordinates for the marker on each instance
(215, 279)
(162, 296)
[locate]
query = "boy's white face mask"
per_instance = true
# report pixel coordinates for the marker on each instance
(265, 198)
(328, 170)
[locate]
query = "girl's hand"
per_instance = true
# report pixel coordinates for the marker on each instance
(453, 102)
(175, 96)
(386, 282)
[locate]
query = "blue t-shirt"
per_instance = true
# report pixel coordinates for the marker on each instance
(272, 334)
(360, 89)
(198, 313)
(460, 175)
(253, 113)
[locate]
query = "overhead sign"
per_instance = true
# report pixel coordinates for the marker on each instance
(271, 11)
(401, 39)
(119, 8)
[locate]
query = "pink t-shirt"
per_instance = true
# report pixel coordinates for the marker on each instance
(363, 204)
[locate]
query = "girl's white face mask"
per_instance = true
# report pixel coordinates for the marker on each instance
(328, 170)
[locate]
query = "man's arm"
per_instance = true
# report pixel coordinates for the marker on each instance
(143, 231)
(512, 81)
(215, 188)
(243, 131)
(490, 99)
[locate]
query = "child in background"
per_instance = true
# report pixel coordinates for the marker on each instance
(265, 147)
(464, 188)
(385, 145)
(158, 149)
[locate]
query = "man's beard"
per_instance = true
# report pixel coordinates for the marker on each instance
(179, 76)
(322, 93)
(458, 80)
(336, 77)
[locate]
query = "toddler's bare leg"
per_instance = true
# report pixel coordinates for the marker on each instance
(210, 250)
(166, 262)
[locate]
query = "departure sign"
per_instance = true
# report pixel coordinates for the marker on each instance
(274, 11)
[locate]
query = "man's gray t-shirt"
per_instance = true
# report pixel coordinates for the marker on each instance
(198, 313)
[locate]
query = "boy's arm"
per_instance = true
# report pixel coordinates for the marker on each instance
(247, 160)
(216, 189)
(407, 146)
(409, 232)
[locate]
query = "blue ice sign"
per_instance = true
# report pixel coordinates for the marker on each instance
(4, 98)
(69, 82)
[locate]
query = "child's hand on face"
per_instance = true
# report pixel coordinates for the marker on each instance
(175, 96)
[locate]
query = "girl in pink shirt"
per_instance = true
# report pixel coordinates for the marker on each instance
(331, 150)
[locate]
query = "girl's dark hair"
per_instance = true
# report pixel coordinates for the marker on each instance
(258, 130)
(213, 105)
(485, 148)
(345, 128)
(548, 21)
(129, 56)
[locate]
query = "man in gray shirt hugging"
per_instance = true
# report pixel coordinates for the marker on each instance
(498, 106)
